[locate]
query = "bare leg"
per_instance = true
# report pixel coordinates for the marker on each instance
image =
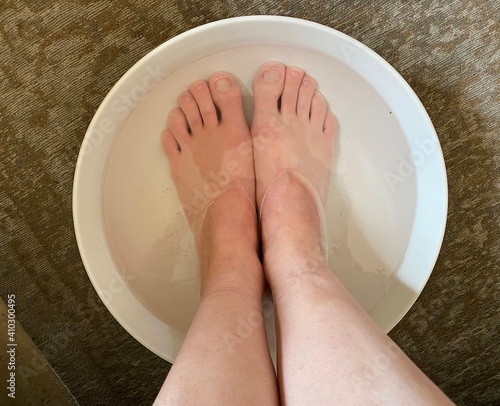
(330, 351)
(224, 359)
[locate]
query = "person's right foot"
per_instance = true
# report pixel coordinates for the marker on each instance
(292, 134)
(214, 176)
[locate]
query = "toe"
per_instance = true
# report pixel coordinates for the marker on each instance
(329, 125)
(170, 145)
(190, 109)
(226, 95)
(293, 81)
(206, 107)
(318, 110)
(306, 93)
(268, 86)
(178, 126)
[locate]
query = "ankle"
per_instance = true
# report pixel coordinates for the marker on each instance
(229, 228)
(290, 221)
(237, 270)
(242, 276)
(228, 247)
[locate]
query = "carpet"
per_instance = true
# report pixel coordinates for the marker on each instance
(60, 58)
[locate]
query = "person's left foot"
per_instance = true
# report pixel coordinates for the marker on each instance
(211, 164)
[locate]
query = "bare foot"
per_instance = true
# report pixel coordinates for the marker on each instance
(292, 133)
(215, 179)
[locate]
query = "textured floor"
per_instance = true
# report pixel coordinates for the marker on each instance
(58, 60)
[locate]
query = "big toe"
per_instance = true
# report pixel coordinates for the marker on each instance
(268, 86)
(226, 94)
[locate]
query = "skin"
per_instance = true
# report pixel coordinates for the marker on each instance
(329, 350)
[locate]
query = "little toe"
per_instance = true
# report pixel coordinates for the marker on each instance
(170, 145)
(178, 126)
(329, 125)
(206, 107)
(318, 110)
(306, 93)
(226, 94)
(189, 107)
(293, 81)
(268, 87)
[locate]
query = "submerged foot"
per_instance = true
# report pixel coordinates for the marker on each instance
(207, 146)
(292, 133)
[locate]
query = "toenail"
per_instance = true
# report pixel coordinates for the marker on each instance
(199, 87)
(223, 84)
(272, 75)
(306, 82)
(295, 72)
(188, 98)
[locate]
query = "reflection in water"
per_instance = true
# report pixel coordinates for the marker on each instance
(352, 256)
(168, 282)
(365, 274)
